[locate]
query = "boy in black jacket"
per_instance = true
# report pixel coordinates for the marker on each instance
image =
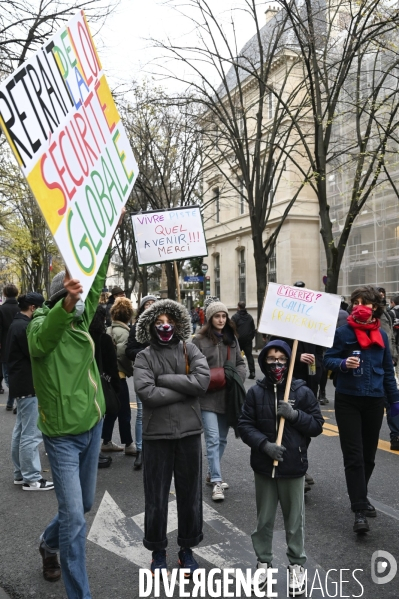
(258, 427)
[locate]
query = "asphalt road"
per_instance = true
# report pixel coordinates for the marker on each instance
(114, 547)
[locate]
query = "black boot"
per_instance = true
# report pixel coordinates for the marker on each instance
(361, 525)
(251, 375)
(104, 461)
(138, 462)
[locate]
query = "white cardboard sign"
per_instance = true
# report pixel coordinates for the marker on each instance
(59, 117)
(167, 235)
(299, 313)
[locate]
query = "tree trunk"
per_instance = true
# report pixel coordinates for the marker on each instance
(144, 281)
(170, 276)
(334, 257)
(260, 270)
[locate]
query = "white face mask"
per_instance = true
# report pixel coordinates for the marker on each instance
(79, 309)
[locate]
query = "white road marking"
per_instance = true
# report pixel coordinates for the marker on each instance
(113, 531)
(172, 518)
(385, 509)
(121, 535)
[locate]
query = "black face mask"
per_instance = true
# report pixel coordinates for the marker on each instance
(276, 372)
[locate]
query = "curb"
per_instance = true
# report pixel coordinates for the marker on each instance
(3, 594)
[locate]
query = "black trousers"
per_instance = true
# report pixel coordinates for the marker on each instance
(124, 418)
(323, 380)
(246, 347)
(161, 459)
(359, 421)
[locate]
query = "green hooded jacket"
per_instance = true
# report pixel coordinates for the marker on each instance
(65, 374)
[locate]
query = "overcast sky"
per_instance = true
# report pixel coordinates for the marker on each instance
(124, 45)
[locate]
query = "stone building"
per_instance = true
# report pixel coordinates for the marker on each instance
(228, 230)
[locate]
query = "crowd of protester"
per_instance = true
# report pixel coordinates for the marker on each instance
(66, 363)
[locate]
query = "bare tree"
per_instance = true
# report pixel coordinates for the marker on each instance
(245, 96)
(26, 25)
(166, 140)
(350, 77)
(26, 243)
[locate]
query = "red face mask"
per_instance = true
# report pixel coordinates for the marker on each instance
(276, 372)
(362, 313)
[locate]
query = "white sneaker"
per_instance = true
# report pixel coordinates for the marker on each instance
(131, 450)
(217, 493)
(211, 484)
(262, 580)
(297, 582)
(111, 446)
(39, 485)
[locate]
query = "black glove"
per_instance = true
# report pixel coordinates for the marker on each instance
(274, 451)
(287, 411)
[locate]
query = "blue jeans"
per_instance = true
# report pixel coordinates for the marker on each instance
(215, 429)
(73, 461)
(139, 425)
(25, 441)
(10, 401)
(5, 372)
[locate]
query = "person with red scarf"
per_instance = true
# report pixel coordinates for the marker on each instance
(362, 383)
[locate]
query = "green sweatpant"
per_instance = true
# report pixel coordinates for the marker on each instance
(290, 493)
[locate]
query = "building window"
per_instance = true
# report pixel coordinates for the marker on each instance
(240, 119)
(270, 105)
(272, 267)
(217, 276)
(271, 188)
(216, 136)
(216, 193)
(241, 276)
(357, 276)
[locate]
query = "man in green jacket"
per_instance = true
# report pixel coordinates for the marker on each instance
(71, 408)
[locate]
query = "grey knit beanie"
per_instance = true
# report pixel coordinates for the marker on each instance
(147, 298)
(209, 300)
(215, 307)
(57, 289)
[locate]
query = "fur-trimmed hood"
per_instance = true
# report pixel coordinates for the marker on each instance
(179, 313)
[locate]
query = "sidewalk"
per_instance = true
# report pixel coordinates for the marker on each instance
(3, 594)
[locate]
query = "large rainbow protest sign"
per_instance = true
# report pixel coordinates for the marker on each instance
(61, 122)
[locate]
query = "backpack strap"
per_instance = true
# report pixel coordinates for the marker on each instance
(186, 357)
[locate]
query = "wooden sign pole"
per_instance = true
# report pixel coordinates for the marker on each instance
(177, 280)
(286, 395)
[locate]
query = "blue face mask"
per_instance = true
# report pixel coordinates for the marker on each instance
(79, 309)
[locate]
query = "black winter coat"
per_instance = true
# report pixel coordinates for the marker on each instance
(18, 358)
(7, 312)
(258, 423)
(105, 355)
(133, 347)
(245, 326)
(110, 303)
